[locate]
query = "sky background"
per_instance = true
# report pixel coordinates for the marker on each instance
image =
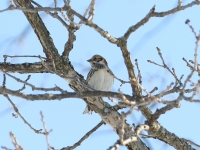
(65, 117)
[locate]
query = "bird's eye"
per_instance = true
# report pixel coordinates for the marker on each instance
(99, 59)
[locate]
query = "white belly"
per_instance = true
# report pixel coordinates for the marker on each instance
(101, 80)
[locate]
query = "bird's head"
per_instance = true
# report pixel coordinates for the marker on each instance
(97, 59)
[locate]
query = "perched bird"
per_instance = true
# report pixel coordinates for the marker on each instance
(100, 77)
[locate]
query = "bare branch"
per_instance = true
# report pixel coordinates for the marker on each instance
(84, 137)
(165, 66)
(32, 86)
(152, 13)
(49, 96)
(46, 133)
(56, 64)
(190, 99)
(176, 9)
(89, 23)
(163, 110)
(196, 43)
(130, 67)
(4, 81)
(192, 143)
(24, 84)
(23, 67)
(139, 78)
(6, 56)
(91, 12)
(55, 3)
(15, 142)
(71, 36)
(90, 9)
(154, 89)
(36, 22)
(188, 64)
(140, 128)
(179, 3)
(132, 138)
(54, 15)
(18, 113)
(181, 95)
(5, 148)
(139, 24)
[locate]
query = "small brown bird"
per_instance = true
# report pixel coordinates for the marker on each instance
(100, 77)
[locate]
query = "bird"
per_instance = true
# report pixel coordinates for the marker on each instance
(100, 77)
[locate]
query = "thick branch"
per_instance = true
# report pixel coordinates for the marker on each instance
(49, 96)
(130, 68)
(38, 26)
(69, 44)
(71, 36)
(162, 134)
(163, 110)
(36, 67)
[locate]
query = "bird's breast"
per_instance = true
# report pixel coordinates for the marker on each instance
(101, 80)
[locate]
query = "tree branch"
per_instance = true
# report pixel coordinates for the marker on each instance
(152, 13)
(84, 137)
(18, 113)
(36, 67)
(49, 96)
(139, 24)
(44, 37)
(163, 110)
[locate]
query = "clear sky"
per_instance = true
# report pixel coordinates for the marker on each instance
(65, 117)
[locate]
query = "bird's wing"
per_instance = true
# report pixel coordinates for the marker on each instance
(91, 72)
(109, 71)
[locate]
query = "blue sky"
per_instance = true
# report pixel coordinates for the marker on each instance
(65, 117)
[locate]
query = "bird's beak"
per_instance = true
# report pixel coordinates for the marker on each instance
(89, 60)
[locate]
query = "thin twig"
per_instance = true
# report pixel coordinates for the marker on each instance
(18, 113)
(15, 142)
(24, 84)
(4, 81)
(5, 148)
(181, 95)
(84, 137)
(54, 15)
(91, 8)
(161, 94)
(179, 3)
(154, 89)
(139, 73)
(46, 133)
(196, 43)
(55, 3)
(32, 86)
(165, 66)
(188, 64)
(4, 76)
(190, 99)
(5, 56)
